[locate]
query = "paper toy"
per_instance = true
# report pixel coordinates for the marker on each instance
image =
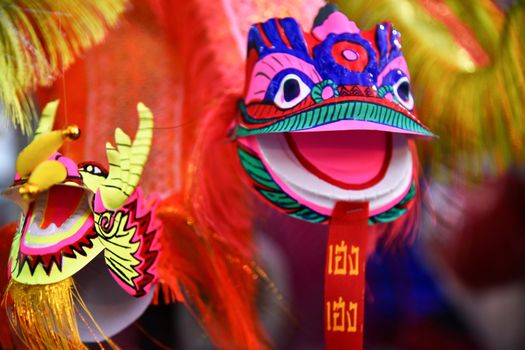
(71, 214)
(325, 133)
(328, 117)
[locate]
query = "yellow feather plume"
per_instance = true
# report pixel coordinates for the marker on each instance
(41, 37)
(38, 151)
(476, 109)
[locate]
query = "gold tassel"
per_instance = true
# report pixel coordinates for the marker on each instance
(44, 316)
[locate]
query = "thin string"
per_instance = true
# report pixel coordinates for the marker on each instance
(63, 78)
(151, 338)
(182, 125)
(83, 307)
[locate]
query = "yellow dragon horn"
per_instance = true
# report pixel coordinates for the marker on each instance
(42, 148)
(46, 142)
(45, 175)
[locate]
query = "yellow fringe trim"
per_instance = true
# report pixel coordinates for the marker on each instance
(44, 316)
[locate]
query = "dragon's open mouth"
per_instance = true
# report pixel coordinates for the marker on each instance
(57, 218)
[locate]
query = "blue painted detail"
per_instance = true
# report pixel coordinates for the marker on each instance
(328, 68)
(273, 87)
(322, 59)
(293, 33)
(394, 51)
(272, 33)
(286, 37)
(255, 40)
(295, 36)
(393, 77)
(382, 33)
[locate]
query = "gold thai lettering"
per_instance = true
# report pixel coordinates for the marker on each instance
(341, 252)
(351, 315)
(354, 261)
(341, 262)
(341, 316)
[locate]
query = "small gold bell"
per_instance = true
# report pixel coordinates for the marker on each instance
(29, 192)
(71, 132)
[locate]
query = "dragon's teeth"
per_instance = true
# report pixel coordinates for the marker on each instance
(69, 222)
(33, 228)
(51, 229)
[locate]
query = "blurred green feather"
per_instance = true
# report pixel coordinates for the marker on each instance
(39, 38)
(477, 108)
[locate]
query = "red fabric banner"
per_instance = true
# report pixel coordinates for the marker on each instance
(345, 276)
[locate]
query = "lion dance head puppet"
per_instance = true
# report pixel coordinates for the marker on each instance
(325, 133)
(71, 215)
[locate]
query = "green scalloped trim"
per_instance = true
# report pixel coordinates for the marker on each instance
(317, 90)
(385, 89)
(396, 211)
(269, 189)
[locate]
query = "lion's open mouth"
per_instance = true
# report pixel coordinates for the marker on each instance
(317, 169)
(351, 160)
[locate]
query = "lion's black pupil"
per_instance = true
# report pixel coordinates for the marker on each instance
(291, 89)
(403, 91)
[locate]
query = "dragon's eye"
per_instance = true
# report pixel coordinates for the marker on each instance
(92, 168)
(403, 94)
(292, 90)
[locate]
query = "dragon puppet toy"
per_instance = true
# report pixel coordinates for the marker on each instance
(75, 220)
(325, 133)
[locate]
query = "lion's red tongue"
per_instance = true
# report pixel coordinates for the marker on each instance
(354, 159)
(62, 201)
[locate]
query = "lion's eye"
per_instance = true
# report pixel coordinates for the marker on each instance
(292, 90)
(403, 93)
